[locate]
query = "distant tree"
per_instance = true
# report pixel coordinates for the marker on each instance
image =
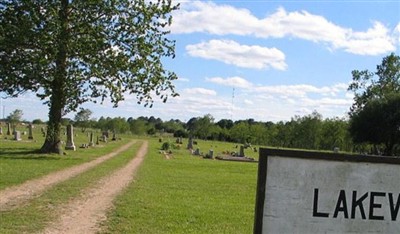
(138, 126)
(82, 119)
(368, 85)
(15, 117)
(37, 121)
(376, 99)
(72, 52)
(378, 123)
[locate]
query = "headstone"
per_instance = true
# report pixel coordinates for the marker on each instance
(241, 153)
(336, 150)
(91, 143)
(159, 140)
(8, 129)
(70, 138)
(105, 133)
(104, 138)
(17, 135)
(97, 141)
(210, 154)
(1, 130)
(197, 152)
(190, 143)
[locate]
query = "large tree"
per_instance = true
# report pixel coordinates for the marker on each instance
(73, 51)
(374, 116)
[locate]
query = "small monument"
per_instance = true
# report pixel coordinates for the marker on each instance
(190, 143)
(30, 136)
(8, 129)
(17, 135)
(210, 154)
(241, 153)
(1, 130)
(197, 152)
(70, 138)
(91, 143)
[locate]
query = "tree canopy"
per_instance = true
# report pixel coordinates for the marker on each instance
(70, 52)
(375, 114)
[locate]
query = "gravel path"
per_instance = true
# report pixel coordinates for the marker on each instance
(13, 196)
(84, 214)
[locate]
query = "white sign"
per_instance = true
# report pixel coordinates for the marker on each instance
(316, 195)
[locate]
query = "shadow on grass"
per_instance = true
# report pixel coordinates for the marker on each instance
(13, 153)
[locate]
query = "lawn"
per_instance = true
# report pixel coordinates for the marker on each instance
(187, 194)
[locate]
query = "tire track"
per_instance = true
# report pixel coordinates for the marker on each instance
(84, 214)
(12, 197)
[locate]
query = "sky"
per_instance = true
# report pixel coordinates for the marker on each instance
(260, 59)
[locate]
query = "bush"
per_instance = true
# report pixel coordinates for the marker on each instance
(165, 146)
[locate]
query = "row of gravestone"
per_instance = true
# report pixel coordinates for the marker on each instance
(17, 134)
(70, 145)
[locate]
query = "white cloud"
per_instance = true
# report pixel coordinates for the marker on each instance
(200, 91)
(235, 81)
(222, 19)
(231, 52)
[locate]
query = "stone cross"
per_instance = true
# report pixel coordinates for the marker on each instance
(17, 135)
(91, 143)
(70, 138)
(30, 136)
(8, 129)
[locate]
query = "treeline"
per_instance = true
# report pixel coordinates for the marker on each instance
(306, 132)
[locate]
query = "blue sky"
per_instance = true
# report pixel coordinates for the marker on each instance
(266, 60)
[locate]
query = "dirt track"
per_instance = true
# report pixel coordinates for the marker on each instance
(13, 196)
(84, 214)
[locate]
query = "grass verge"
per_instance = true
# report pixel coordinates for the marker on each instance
(186, 194)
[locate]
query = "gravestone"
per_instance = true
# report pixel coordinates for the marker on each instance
(91, 143)
(210, 154)
(190, 143)
(241, 153)
(17, 135)
(197, 152)
(70, 138)
(1, 130)
(104, 138)
(105, 133)
(8, 129)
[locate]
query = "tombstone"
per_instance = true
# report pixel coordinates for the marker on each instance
(17, 135)
(210, 154)
(97, 141)
(91, 143)
(336, 150)
(43, 131)
(241, 153)
(1, 130)
(70, 138)
(105, 133)
(104, 138)
(8, 129)
(197, 152)
(190, 143)
(159, 140)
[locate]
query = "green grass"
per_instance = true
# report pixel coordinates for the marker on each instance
(33, 216)
(187, 194)
(20, 162)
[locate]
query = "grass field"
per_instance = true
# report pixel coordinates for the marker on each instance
(187, 194)
(184, 194)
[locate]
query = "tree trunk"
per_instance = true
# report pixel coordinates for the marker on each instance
(52, 143)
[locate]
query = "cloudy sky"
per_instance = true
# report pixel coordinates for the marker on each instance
(261, 59)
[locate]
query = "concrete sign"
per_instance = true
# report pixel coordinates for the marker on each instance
(313, 192)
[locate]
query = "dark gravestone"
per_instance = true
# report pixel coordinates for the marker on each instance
(30, 128)
(241, 153)
(190, 143)
(8, 129)
(91, 143)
